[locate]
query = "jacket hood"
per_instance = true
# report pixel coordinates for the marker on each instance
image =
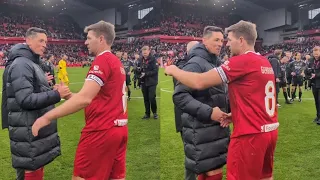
(22, 50)
(200, 50)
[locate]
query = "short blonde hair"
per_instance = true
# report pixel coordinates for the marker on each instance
(103, 28)
(244, 29)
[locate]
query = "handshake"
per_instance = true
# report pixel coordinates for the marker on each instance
(224, 118)
(63, 90)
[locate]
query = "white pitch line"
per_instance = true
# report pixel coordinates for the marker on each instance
(165, 90)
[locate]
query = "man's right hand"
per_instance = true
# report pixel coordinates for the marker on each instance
(227, 121)
(218, 115)
(63, 90)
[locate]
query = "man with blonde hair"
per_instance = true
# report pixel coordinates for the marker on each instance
(101, 152)
(252, 95)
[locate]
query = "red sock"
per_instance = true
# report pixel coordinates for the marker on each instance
(202, 177)
(214, 177)
(35, 175)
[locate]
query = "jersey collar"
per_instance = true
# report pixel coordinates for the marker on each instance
(252, 52)
(103, 52)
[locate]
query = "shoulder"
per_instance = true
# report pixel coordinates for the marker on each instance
(22, 62)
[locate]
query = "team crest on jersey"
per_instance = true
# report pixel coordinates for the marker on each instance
(96, 68)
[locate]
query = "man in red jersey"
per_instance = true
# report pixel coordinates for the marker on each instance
(102, 148)
(253, 104)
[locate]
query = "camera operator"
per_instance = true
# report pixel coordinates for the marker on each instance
(149, 80)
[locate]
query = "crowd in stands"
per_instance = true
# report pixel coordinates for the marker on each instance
(58, 27)
(304, 47)
(173, 21)
(76, 53)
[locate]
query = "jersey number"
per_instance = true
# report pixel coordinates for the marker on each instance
(124, 97)
(270, 100)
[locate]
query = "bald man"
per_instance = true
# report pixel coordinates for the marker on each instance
(180, 63)
(177, 112)
(190, 45)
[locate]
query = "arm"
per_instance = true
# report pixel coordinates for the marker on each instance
(77, 102)
(231, 70)
(22, 82)
(94, 81)
(183, 99)
(274, 65)
(198, 81)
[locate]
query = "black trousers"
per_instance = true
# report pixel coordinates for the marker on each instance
(277, 91)
(20, 174)
(149, 97)
(316, 96)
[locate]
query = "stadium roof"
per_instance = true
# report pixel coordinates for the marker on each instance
(275, 4)
(105, 4)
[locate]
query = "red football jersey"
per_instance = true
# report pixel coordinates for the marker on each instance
(110, 104)
(252, 93)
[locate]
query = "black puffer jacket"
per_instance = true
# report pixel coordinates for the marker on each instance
(314, 67)
(28, 97)
(275, 63)
(206, 142)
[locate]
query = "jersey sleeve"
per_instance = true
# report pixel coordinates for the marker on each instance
(233, 69)
(99, 71)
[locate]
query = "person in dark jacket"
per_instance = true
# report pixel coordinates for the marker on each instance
(136, 72)
(275, 63)
(48, 68)
(149, 81)
(308, 72)
(283, 78)
(189, 175)
(288, 72)
(205, 155)
(297, 71)
(29, 96)
(315, 80)
(127, 67)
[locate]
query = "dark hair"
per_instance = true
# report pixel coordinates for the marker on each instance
(207, 32)
(145, 47)
(278, 52)
(34, 30)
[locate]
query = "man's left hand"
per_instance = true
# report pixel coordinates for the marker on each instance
(38, 124)
(218, 115)
(169, 70)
